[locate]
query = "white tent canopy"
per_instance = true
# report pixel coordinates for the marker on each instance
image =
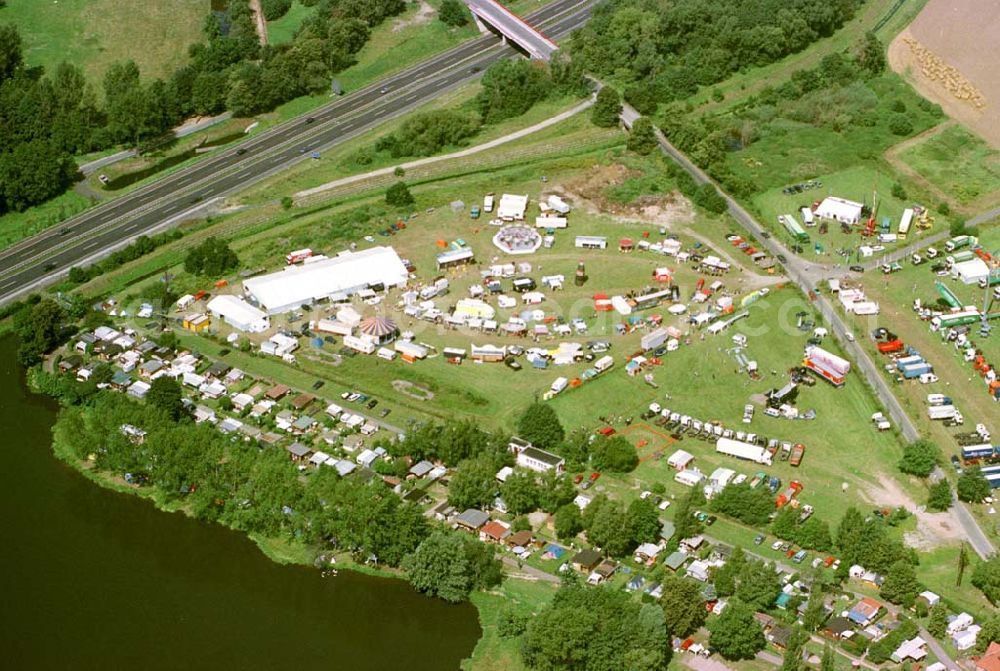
(347, 273)
(238, 313)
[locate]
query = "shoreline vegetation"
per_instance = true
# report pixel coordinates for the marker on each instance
(283, 551)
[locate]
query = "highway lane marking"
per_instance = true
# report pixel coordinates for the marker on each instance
(354, 106)
(91, 245)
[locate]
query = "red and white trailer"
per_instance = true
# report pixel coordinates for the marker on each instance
(298, 256)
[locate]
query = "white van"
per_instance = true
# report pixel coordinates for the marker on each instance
(928, 378)
(558, 385)
(385, 353)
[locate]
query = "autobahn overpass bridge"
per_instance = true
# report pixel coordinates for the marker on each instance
(491, 16)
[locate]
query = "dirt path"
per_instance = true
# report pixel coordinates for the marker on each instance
(933, 529)
(445, 157)
(259, 21)
(423, 15)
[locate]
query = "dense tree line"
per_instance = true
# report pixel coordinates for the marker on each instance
(866, 541)
(235, 483)
(427, 133)
(587, 629)
(45, 121)
(670, 49)
(212, 258)
(812, 534)
(450, 566)
(48, 118)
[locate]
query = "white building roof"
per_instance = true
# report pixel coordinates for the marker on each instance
(512, 206)
(238, 313)
(347, 272)
(839, 209)
(970, 271)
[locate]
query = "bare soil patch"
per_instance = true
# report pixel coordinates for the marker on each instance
(933, 529)
(423, 15)
(948, 55)
(412, 390)
(590, 191)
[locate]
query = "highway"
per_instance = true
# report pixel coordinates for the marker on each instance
(49, 255)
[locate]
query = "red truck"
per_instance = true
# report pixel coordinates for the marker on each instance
(890, 346)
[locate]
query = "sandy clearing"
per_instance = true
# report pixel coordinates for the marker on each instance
(960, 35)
(933, 529)
(589, 190)
(423, 15)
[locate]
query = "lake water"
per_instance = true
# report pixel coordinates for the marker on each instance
(96, 579)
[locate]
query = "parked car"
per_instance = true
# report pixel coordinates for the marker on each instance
(372, 403)
(758, 539)
(857, 269)
(318, 383)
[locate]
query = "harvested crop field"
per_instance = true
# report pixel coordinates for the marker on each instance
(947, 54)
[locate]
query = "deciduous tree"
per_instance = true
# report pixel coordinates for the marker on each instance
(736, 634)
(919, 458)
(398, 195)
(972, 487)
(539, 425)
(683, 607)
(607, 108)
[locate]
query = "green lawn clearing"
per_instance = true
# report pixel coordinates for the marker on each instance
(958, 162)
(96, 33)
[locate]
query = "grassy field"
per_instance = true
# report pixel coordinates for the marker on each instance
(958, 162)
(493, 652)
(96, 33)
(15, 226)
(283, 29)
(859, 183)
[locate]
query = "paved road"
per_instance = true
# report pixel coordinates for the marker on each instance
(807, 276)
(179, 132)
(94, 233)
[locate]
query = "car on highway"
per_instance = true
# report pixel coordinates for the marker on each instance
(64, 231)
(384, 90)
(51, 265)
(241, 151)
(474, 69)
(310, 119)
